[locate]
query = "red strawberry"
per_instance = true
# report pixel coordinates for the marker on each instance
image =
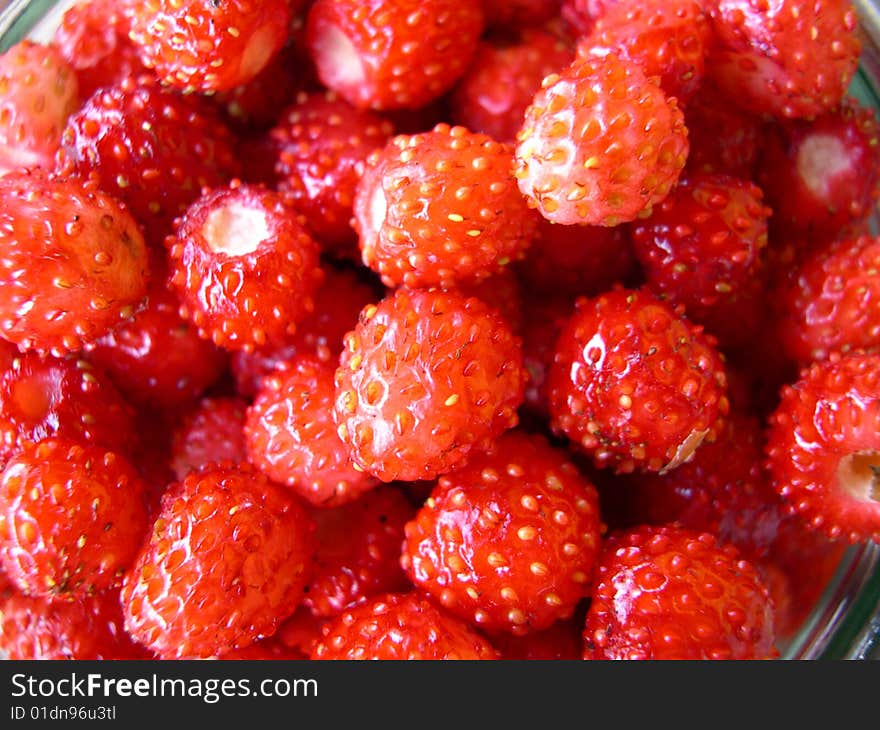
(502, 79)
(787, 58)
(151, 148)
(244, 266)
(227, 560)
(212, 432)
(600, 143)
(71, 278)
(425, 378)
(635, 384)
(290, 435)
(668, 593)
(205, 45)
(502, 292)
(823, 446)
(392, 54)
(358, 553)
(72, 518)
(507, 542)
(440, 208)
(301, 631)
(400, 626)
(323, 143)
(38, 91)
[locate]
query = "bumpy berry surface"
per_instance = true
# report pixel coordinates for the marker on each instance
(507, 542)
(668, 593)
(226, 561)
(425, 378)
(212, 432)
(635, 384)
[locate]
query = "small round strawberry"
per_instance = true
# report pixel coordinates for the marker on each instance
(358, 553)
(823, 446)
(425, 378)
(206, 45)
(634, 384)
(72, 518)
(211, 433)
(502, 79)
(786, 58)
(41, 397)
(392, 54)
(87, 629)
(440, 208)
(503, 292)
(244, 266)
(38, 91)
(832, 301)
(227, 560)
(73, 262)
(290, 435)
(323, 143)
(508, 541)
(665, 593)
(400, 626)
(600, 144)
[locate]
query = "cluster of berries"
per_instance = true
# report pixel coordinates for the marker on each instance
(434, 328)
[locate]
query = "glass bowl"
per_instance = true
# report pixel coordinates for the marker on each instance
(844, 623)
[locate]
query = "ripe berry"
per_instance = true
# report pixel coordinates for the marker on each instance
(211, 433)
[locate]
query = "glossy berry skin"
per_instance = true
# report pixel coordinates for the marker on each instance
(227, 560)
(210, 433)
(245, 267)
(73, 277)
(384, 54)
(832, 301)
(358, 553)
(71, 518)
(823, 449)
(291, 436)
(38, 90)
(507, 542)
(667, 593)
(634, 384)
(207, 46)
(323, 144)
(600, 144)
(400, 626)
(425, 378)
(439, 208)
(786, 58)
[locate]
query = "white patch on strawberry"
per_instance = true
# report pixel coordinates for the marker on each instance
(235, 229)
(858, 475)
(821, 158)
(338, 60)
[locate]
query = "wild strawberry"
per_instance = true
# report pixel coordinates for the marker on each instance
(38, 91)
(42, 397)
(301, 631)
(823, 446)
(669, 593)
(515, 14)
(832, 301)
(244, 266)
(358, 553)
(392, 55)
(503, 292)
(227, 560)
(290, 435)
(204, 45)
(502, 79)
(440, 208)
(211, 433)
(425, 378)
(72, 518)
(667, 38)
(582, 15)
(92, 262)
(600, 143)
(823, 175)
(635, 384)
(788, 58)
(149, 147)
(508, 541)
(399, 626)
(323, 143)
(561, 641)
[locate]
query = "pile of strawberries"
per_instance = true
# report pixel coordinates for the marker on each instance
(434, 328)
